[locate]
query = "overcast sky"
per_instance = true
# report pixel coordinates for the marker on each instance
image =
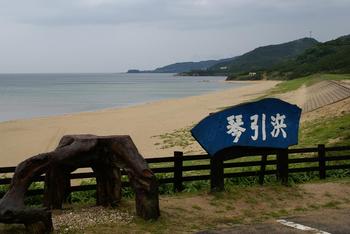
(116, 35)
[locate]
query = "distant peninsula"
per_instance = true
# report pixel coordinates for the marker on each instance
(183, 67)
(287, 60)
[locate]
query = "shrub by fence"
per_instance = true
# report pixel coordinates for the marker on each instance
(257, 163)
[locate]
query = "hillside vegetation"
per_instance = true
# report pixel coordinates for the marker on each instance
(257, 60)
(265, 57)
(188, 66)
(294, 84)
(331, 56)
(184, 66)
(302, 57)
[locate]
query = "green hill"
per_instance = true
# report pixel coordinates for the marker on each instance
(265, 57)
(188, 66)
(183, 67)
(332, 57)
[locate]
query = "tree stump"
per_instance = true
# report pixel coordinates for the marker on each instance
(106, 155)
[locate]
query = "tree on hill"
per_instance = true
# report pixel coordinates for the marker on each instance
(265, 57)
(332, 56)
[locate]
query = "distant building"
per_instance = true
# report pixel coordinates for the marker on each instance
(223, 68)
(251, 74)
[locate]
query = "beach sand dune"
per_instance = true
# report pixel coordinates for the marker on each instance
(21, 139)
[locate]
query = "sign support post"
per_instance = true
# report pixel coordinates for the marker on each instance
(282, 166)
(216, 174)
(269, 123)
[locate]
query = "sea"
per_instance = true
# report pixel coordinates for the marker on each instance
(25, 96)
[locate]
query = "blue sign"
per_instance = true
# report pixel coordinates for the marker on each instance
(268, 123)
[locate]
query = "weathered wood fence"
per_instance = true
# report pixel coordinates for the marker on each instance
(180, 168)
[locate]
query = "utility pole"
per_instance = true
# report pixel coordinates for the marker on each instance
(310, 34)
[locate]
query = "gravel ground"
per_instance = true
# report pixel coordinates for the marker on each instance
(67, 220)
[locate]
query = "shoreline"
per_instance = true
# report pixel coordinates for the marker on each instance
(20, 139)
(22, 100)
(132, 105)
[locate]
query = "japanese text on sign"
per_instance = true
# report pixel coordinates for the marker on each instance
(235, 126)
(267, 123)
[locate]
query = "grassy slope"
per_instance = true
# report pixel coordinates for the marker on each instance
(330, 131)
(294, 84)
(266, 56)
(321, 131)
(332, 56)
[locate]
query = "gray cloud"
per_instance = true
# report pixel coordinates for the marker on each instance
(184, 12)
(114, 35)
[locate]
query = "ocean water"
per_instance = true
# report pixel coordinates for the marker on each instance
(36, 95)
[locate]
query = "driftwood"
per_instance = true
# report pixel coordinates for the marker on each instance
(106, 155)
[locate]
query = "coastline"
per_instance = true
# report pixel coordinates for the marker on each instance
(246, 83)
(28, 96)
(20, 139)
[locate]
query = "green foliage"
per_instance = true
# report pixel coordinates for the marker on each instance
(331, 57)
(188, 66)
(196, 186)
(128, 192)
(3, 189)
(180, 137)
(36, 200)
(330, 131)
(302, 177)
(84, 196)
(29, 200)
(289, 60)
(245, 76)
(265, 57)
(294, 84)
(165, 188)
(241, 181)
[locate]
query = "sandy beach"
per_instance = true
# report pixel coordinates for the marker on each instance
(21, 139)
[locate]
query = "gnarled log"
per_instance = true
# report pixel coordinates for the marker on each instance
(106, 155)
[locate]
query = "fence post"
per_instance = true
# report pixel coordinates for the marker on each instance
(216, 174)
(282, 166)
(322, 161)
(262, 169)
(178, 164)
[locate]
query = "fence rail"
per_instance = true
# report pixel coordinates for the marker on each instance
(266, 162)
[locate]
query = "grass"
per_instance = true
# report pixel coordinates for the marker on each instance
(192, 212)
(180, 137)
(330, 131)
(85, 197)
(222, 208)
(332, 204)
(294, 84)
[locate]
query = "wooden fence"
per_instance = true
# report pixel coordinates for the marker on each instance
(180, 168)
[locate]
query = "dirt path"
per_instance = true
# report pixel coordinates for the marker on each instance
(239, 207)
(323, 208)
(322, 222)
(253, 209)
